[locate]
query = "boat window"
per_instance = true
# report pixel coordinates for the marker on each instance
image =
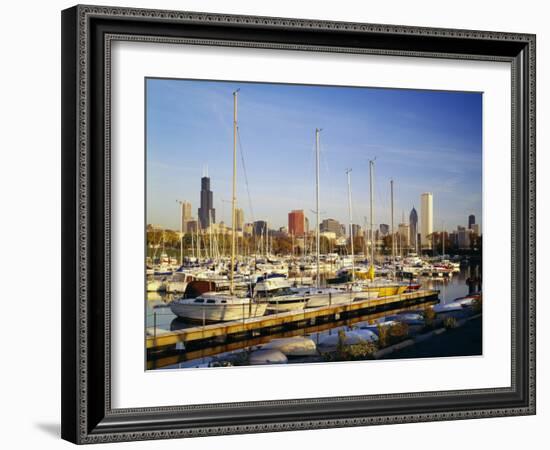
(224, 301)
(210, 300)
(199, 300)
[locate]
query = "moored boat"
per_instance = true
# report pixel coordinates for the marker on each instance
(217, 307)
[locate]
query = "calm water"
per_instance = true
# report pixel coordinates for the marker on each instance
(158, 313)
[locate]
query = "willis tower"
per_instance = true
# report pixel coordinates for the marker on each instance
(207, 214)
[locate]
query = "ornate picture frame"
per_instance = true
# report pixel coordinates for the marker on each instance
(87, 35)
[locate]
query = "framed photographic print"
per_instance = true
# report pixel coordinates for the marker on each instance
(282, 224)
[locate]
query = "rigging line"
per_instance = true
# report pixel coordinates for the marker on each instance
(245, 175)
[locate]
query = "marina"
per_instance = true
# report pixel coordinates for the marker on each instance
(249, 294)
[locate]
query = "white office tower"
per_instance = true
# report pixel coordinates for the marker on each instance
(426, 220)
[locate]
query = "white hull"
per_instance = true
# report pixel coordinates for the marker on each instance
(274, 306)
(317, 300)
(217, 312)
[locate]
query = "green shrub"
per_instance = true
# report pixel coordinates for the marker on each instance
(351, 352)
(399, 331)
(391, 334)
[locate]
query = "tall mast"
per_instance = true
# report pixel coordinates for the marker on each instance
(371, 182)
(348, 173)
(317, 239)
(392, 230)
(443, 238)
(234, 197)
(181, 231)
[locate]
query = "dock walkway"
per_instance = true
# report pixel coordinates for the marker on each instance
(159, 339)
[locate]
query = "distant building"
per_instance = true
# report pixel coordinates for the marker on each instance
(192, 226)
(384, 229)
(207, 213)
(463, 237)
(453, 238)
(475, 229)
(248, 228)
(413, 229)
(357, 231)
(426, 219)
(185, 215)
(331, 225)
(331, 236)
(239, 219)
(296, 222)
(259, 228)
(343, 230)
(306, 224)
(404, 235)
(471, 221)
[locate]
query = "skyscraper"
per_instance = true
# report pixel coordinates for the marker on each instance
(413, 228)
(296, 222)
(426, 219)
(259, 227)
(464, 237)
(239, 219)
(403, 238)
(471, 221)
(207, 213)
(185, 216)
(332, 226)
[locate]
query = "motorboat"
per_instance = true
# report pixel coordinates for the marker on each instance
(328, 296)
(276, 292)
(217, 307)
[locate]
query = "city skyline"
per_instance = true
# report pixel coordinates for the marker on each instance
(434, 145)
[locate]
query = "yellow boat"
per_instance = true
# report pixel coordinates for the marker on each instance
(384, 289)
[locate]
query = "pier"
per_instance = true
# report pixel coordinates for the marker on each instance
(159, 340)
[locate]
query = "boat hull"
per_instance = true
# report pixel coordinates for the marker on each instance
(217, 313)
(283, 306)
(318, 300)
(385, 291)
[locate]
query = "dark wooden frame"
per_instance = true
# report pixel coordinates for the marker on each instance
(87, 32)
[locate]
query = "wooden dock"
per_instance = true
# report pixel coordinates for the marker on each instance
(160, 339)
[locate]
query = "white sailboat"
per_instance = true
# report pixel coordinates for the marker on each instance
(215, 306)
(322, 296)
(371, 287)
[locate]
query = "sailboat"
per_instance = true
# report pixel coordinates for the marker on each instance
(372, 287)
(218, 306)
(321, 296)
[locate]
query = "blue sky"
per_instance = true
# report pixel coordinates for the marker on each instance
(424, 140)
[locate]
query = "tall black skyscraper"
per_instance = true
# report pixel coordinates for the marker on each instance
(471, 221)
(413, 229)
(207, 213)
